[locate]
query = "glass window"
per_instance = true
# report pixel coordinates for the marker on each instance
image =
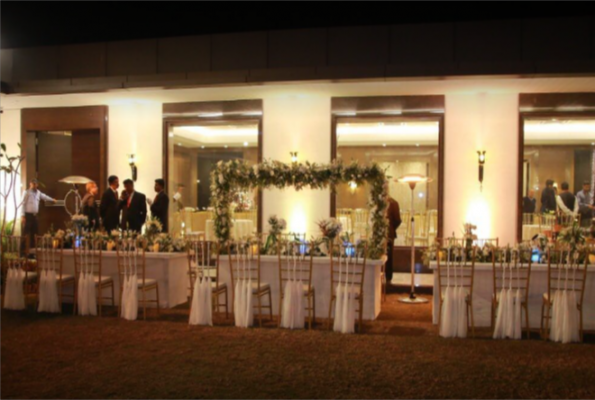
(402, 146)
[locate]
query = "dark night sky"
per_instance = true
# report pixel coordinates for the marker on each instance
(25, 24)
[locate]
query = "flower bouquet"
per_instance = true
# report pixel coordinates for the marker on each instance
(276, 227)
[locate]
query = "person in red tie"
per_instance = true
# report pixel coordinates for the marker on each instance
(109, 208)
(160, 206)
(134, 208)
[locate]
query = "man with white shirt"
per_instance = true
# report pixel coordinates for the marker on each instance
(566, 201)
(31, 199)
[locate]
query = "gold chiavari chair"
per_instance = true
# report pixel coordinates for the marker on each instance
(295, 263)
(565, 271)
(458, 268)
(361, 218)
(348, 266)
(203, 258)
(244, 265)
(132, 261)
(88, 259)
(530, 219)
(50, 257)
(511, 269)
(14, 255)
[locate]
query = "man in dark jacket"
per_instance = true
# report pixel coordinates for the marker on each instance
(394, 221)
(160, 205)
(134, 207)
(548, 197)
(110, 205)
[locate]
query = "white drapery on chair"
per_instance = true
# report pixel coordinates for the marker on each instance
(455, 288)
(566, 285)
(295, 280)
(49, 271)
(128, 258)
(16, 275)
(244, 264)
(86, 294)
(347, 277)
(201, 308)
(509, 299)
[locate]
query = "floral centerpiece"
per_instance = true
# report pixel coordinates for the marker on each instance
(165, 243)
(468, 235)
(153, 228)
(330, 228)
(573, 236)
(276, 227)
(231, 176)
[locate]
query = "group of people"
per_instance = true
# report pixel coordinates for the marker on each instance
(564, 202)
(126, 210)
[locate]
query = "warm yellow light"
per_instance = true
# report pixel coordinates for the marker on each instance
(414, 178)
(353, 185)
(294, 156)
(131, 159)
(482, 156)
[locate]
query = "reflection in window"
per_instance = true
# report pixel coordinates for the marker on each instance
(194, 151)
(402, 146)
(558, 174)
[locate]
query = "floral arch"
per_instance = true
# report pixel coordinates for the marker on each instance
(231, 176)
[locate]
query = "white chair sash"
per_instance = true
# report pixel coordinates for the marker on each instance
(129, 306)
(508, 315)
(243, 309)
(14, 297)
(201, 309)
(345, 292)
(453, 322)
(48, 280)
(86, 291)
(292, 315)
(565, 313)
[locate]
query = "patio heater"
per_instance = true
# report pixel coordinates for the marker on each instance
(413, 180)
(74, 181)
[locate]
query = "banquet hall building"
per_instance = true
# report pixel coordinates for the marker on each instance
(427, 99)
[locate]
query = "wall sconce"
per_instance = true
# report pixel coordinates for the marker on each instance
(294, 156)
(352, 186)
(481, 159)
(132, 163)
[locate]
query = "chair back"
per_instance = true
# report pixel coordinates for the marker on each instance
(244, 260)
(360, 221)
(13, 255)
(87, 257)
(432, 222)
(131, 259)
(567, 271)
(457, 269)
(511, 269)
(348, 265)
(49, 254)
(566, 220)
(203, 260)
(295, 263)
(531, 219)
(547, 222)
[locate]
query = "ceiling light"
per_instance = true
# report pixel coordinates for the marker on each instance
(421, 195)
(210, 115)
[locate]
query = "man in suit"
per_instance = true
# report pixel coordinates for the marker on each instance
(529, 202)
(548, 197)
(109, 209)
(134, 207)
(160, 205)
(394, 221)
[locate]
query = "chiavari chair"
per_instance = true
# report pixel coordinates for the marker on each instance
(50, 258)
(511, 269)
(14, 257)
(295, 263)
(458, 270)
(245, 267)
(203, 261)
(132, 261)
(565, 272)
(88, 260)
(348, 266)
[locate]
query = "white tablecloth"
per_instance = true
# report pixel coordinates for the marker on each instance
(242, 228)
(483, 289)
(529, 231)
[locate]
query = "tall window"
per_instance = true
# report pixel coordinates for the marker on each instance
(402, 146)
(558, 173)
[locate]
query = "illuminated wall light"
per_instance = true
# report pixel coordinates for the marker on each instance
(133, 168)
(481, 159)
(294, 156)
(245, 144)
(421, 195)
(352, 186)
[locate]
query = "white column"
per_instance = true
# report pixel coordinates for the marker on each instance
(481, 121)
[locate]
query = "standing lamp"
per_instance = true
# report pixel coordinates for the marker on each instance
(413, 180)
